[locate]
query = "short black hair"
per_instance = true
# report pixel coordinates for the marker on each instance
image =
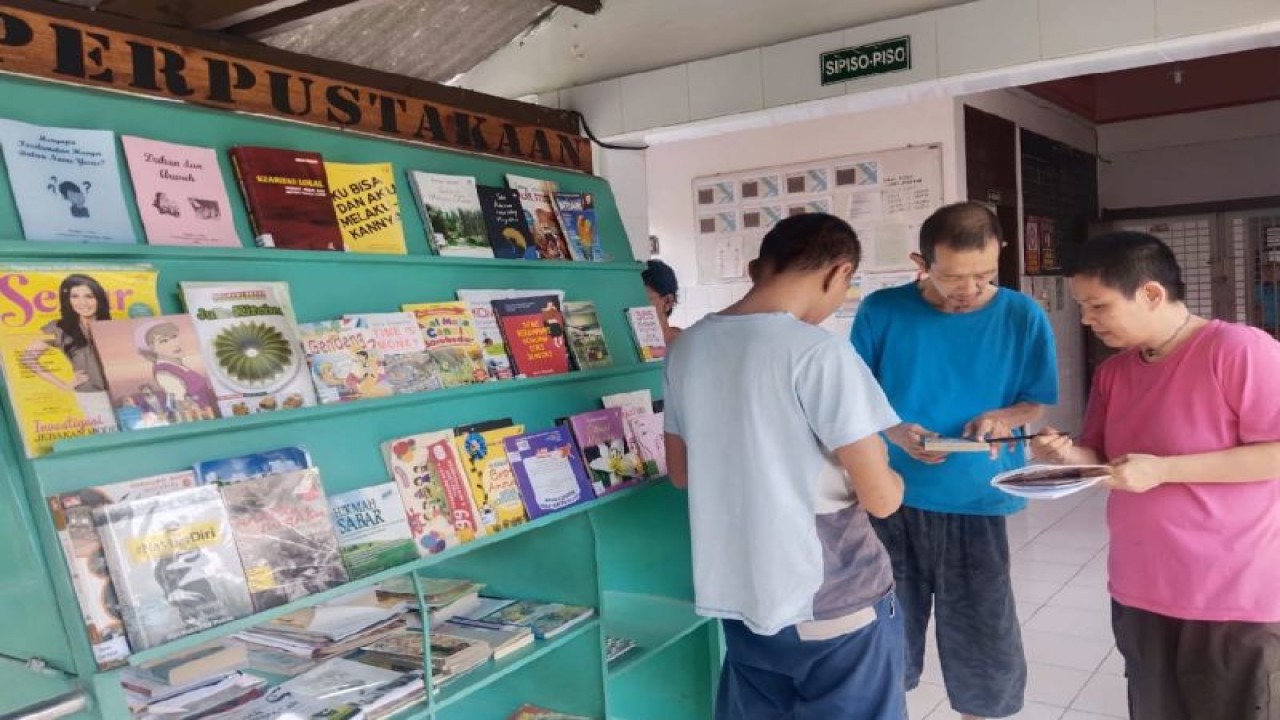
(808, 242)
(1126, 260)
(660, 278)
(960, 226)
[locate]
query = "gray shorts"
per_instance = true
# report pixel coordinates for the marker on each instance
(957, 568)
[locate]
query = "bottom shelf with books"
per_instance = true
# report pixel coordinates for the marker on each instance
(678, 685)
(471, 684)
(652, 623)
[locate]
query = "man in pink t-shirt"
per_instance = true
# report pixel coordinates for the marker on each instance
(1188, 418)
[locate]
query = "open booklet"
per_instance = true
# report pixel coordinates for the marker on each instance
(1048, 482)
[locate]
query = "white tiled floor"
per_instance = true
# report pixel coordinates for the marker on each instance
(1059, 578)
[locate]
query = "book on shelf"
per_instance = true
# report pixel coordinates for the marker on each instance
(577, 215)
(633, 403)
(452, 213)
(284, 536)
(227, 695)
(546, 619)
(450, 334)
(617, 648)
(650, 442)
(537, 712)
(268, 660)
(603, 444)
(549, 471)
(533, 330)
(326, 631)
(155, 372)
(646, 330)
(345, 362)
(221, 657)
(586, 338)
(287, 195)
(180, 193)
(453, 656)
(409, 367)
(509, 235)
(253, 465)
(503, 640)
(66, 183)
(493, 482)
(72, 515)
(489, 334)
(56, 384)
(339, 680)
(372, 529)
(174, 564)
(367, 207)
(435, 489)
(540, 216)
(251, 348)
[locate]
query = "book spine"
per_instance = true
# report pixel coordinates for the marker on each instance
(249, 199)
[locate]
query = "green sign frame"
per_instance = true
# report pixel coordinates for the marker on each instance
(878, 58)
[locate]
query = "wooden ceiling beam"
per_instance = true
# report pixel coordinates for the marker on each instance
(590, 7)
(292, 17)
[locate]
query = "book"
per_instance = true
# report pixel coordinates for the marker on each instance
(287, 194)
(253, 465)
(409, 367)
(503, 640)
(339, 680)
(221, 657)
(955, 445)
(646, 330)
(372, 529)
(509, 235)
(451, 210)
(180, 193)
(546, 619)
(533, 330)
(155, 372)
(577, 215)
(603, 444)
(549, 471)
(450, 335)
(1049, 482)
(633, 403)
(66, 183)
(586, 338)
(267, 660)
(535, 712)
(72, 515)
(284, 536)
(56, 384)
(367, 207)
(488, 332)
(650, 442)
(345, 362)
(454, 655)
(251, 348)
(494, 488)
(616, 648)
(174, 564)
(427, 466)
(540, 216)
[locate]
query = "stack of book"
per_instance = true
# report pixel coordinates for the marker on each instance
(326, 631)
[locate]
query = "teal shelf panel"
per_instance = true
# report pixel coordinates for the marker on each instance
(478, 680)
(245, 623)
(22, 687)
(653, 623)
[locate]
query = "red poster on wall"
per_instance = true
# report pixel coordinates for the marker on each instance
(1031, 246)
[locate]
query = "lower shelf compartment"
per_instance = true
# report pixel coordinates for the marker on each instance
(654, 623)
(492, 672)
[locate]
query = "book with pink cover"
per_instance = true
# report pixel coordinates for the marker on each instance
(602, 440)
(180, 192)
(156, 375)
(650, 442)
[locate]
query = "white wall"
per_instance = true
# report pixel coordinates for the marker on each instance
(1191, 158)
(673, 166)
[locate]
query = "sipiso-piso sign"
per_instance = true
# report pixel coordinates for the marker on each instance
(876, 58)
(52, 46)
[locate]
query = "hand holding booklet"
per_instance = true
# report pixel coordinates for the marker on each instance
(1048, 482)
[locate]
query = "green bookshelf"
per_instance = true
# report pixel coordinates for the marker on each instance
(626, 554)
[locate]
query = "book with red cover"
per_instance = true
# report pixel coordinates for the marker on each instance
(534, 331)
(287, 193)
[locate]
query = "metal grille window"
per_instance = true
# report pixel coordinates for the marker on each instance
(1191, 240)
(1257, 234)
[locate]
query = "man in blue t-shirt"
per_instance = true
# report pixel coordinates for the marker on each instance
(958, 356)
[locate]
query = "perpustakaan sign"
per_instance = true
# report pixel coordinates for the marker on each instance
(52, 47)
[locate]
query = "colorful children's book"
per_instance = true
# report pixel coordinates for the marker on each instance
(155, 373)
(646, 330)
(603, 444)
(533, 329)
(56, 384)
(493, 482)
(586, 338)
(174, 564)
(372, 529)
(549, 471)
(451, 210)
(633, 403)
(489, 334)
(650, 442)
(73, 520)
(367, 206)
(254, 465)
(180, 193)
(540, 216)
(409, 367)
(577, 215)
(345, 362)
(435, 489)
(251, 348)
(450, 334)
(287, 193)
(66, 183)
(509, 235)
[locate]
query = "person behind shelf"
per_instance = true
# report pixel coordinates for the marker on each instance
(661, 286)
(1266, 298)
(956, 356)
(82, 301)
(1188, 418)
(773, 426)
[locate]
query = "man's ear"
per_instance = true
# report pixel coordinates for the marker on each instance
(836, 275)
(920, 262)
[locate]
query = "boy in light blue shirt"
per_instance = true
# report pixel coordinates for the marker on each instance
(773, 426)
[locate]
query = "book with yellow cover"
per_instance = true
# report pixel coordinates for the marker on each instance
(364, 197)
(56, 383)
(450, 333)
(493, 480)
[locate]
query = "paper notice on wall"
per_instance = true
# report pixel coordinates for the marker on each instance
(892, 244)
(863, 207)
(721, 259)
